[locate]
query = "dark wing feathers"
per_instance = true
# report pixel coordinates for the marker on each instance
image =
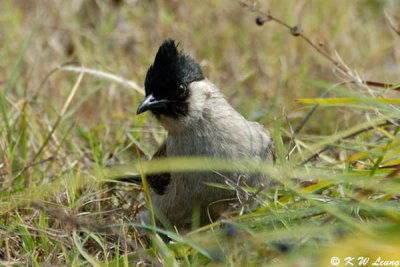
(159, 181)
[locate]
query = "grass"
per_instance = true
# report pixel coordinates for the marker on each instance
(59, 135)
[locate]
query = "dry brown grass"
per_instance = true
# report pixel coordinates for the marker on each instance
(261, 70)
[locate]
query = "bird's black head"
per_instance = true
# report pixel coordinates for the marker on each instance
(167, 82)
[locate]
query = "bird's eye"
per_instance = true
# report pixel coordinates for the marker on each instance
(182, 89)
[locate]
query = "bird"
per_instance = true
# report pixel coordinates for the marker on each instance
(199, 123)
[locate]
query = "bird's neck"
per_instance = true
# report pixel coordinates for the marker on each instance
(208, 120)
(210, 135)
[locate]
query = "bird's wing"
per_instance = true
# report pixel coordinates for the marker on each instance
(159, 181)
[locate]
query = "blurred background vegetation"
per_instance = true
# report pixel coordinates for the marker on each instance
(52, 210)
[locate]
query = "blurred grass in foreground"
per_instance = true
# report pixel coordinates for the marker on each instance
(57, 206)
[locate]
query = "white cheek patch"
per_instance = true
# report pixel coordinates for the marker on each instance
(200, 92)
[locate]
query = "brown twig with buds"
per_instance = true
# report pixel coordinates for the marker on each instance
(297, 32)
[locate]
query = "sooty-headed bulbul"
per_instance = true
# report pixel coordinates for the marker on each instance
(201, 123)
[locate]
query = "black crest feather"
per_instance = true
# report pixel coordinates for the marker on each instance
(170, 69)
(167, 53)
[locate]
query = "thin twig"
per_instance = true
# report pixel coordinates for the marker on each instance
(303, 122)
(348, 137)
(297, 32)
(240, 190)
(292, 138)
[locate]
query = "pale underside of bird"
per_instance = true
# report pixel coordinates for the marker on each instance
(200, 123)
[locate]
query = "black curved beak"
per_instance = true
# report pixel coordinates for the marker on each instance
(150, 103)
